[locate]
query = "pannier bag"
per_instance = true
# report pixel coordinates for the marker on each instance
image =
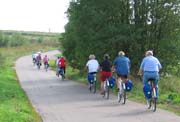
(147, 91)
(112, 82)
(128, 85)
(90, 78)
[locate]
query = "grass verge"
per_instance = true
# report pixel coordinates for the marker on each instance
(14, 104)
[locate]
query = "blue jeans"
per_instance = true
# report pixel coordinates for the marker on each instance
(154, 75)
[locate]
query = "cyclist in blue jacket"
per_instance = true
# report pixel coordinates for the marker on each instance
(150, 67)
(122, 66)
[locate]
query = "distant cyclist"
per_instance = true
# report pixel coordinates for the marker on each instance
(62, 64)
(92, 64)
(46, 61)
(122, 67)
(57, 65)
(150, 67)
(39, 59)
(34, 55)
(105, 67)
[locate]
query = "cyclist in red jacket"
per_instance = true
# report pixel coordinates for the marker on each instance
(62, 64)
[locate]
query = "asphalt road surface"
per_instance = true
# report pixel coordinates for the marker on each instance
(69, 101)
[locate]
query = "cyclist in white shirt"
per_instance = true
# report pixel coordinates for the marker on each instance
(92, 65)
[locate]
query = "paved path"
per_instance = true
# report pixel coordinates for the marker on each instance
(68, 101)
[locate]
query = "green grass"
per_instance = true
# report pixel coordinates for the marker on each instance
(14, 104)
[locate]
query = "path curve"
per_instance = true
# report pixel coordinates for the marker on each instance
(68, 101)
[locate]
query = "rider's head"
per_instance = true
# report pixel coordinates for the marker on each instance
(121, 53)
(92, 56)
(149, 53)
(106, 56)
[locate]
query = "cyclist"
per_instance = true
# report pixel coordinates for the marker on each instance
(57, 65)
(62, 64)
(38, 58)
(46, 60)
(105, 68)
(122, 66)
(150, 67)
(34, 55)
(92, 65)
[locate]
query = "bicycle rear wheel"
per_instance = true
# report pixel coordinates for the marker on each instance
(94, 87)
(38, 66)
(106, 90)
(154, 104)
(122, 96)
(149, 103)
(62, 74)
(46, 67)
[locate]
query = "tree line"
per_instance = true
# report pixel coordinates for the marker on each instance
(19, 38)
(134, 26)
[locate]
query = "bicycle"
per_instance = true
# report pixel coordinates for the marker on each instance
(61, 72)
(38, 65)
(46, 65)
(152, 100)
(92, 84)
(106, 88)
(34, 61)
(122, 92)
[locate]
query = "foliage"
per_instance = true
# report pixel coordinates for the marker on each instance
(19, 38)
(134, 26)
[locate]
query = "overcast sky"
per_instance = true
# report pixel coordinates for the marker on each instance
(33, 15)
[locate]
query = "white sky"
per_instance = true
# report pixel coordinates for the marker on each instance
(33, 15)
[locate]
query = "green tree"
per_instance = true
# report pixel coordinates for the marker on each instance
(103, 26)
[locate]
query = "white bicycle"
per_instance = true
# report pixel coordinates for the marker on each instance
(122, 92)
(106, 88)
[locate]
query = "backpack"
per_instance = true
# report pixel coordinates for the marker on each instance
(62, 62)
